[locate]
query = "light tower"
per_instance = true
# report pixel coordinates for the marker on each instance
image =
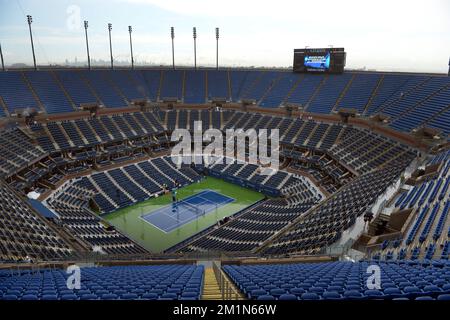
(1, 56)
(195, 47)
(172, 35)
(87, 44)
(131, 48)
(217, 48)
(30, 20)
(110, 45)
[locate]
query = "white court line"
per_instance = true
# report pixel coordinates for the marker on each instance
(227, 200)
(178, 222)
(154, 225)
(157, 227)
(182, 222)
(188, 209)
(156, 212)
(222, 203)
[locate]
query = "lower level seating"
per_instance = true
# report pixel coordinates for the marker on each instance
(427, 235)
(324, 225)
(70, 203)
(156, 282)
(341, 281)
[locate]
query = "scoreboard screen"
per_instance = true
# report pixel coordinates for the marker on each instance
(331, 60)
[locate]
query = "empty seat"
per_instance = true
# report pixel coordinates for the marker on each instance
(287, 296)
(265, 297)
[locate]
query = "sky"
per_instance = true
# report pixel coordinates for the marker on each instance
(387, 35)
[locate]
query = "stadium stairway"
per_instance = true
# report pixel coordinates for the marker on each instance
(90, 87)
(183, 86)
(292, 89)
(374, 94)
(161, 81)
(434, 116)
(115, 88)
(63, 89)
(410, 91)
(229, 86)
(269, 88)
(336, 106)
(206, 86)
(315, 93)
(211, 290)
(422, 101)
(91, 128)
(33, 92)
(3, 108)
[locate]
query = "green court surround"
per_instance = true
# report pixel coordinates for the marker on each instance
(128, 220)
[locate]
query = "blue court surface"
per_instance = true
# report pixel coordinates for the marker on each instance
(173, 216)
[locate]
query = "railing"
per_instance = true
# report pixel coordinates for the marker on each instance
(228, 291)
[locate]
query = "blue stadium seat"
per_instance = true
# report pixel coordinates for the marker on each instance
(168, 296)
(69, 297)
(110, 296)
(254, 294)
(331, 295)
(297, 291)
(277, 292)
(373, 294)
(265, 297)
(309, 296)
(129, 296)
(353, 294)
(424, 298)
(287, 297)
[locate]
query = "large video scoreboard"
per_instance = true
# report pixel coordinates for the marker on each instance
(331, 60)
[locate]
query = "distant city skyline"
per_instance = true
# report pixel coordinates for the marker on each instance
(408, 36)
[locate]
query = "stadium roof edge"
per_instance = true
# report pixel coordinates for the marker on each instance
(250, 68)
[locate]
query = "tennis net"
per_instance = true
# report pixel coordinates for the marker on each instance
(196, 209)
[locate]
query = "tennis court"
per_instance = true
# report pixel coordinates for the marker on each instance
(174, 215)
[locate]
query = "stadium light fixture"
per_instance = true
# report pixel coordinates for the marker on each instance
(1, 56)
(131, 48)
(194, 30)
(217, 48)
(30, 21)
(110, 45)
(172, 36)
(87, 44)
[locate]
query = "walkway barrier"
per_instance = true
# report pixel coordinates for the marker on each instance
(227, 289)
